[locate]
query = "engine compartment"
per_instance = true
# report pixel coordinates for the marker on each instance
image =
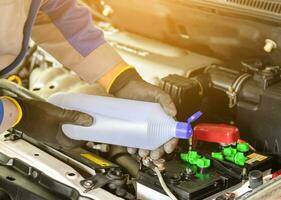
(226, 74)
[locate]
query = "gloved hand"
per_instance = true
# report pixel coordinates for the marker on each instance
(158, 153)
(130, 85)
(43, 122)
(143, 91)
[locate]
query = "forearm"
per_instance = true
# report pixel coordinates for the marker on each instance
(73, 39)
(75, 42)
(10, 114)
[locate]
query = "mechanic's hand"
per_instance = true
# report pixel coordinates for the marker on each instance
(158, 153)
(143, 91)
(130, 85)
(42, 121)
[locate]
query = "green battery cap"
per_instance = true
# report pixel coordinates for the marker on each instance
(243, 147)
(238, 158)
(217, 155)
(229, 151)
(190, 157)
(230, 158)
(184, 156)
(203, 162)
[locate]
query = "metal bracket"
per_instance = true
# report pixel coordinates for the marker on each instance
(51, 166)
(113, 176)
(13, 135)
(94, 182)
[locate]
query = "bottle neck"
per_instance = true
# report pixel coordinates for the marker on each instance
(183, 130)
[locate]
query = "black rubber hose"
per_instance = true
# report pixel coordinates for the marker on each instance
(120, 156)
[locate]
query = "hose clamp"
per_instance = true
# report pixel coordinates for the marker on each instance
(233, 90)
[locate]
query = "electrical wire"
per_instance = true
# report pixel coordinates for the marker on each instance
(163, 184)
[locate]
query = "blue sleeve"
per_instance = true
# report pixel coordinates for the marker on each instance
(75, 23)
(1, 111)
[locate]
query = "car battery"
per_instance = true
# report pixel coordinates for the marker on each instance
(183, 183)
(197, 176)
(221, 144)
(252, 161)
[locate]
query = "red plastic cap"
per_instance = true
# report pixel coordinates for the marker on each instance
(218, 133)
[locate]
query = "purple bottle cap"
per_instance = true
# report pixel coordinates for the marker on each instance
(185, 130)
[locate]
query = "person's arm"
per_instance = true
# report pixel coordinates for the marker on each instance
(65, 30)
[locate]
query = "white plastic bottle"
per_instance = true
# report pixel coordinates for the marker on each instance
(122, 122)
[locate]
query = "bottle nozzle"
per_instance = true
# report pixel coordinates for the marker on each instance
(185, 130)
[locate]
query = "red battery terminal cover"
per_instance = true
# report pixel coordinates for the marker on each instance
(218, 133)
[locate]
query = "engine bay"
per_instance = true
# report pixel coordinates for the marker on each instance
(235, 149)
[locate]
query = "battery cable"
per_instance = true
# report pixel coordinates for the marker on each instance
(163, 184)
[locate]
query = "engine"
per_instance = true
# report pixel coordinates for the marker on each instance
(248, 97)
(234, 152)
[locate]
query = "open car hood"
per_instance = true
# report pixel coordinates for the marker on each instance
(227, 29)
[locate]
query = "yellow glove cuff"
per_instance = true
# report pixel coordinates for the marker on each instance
(108, 79)
(20, 113)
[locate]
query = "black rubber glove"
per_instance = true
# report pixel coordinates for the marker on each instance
(43, 122)
(130, 85)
